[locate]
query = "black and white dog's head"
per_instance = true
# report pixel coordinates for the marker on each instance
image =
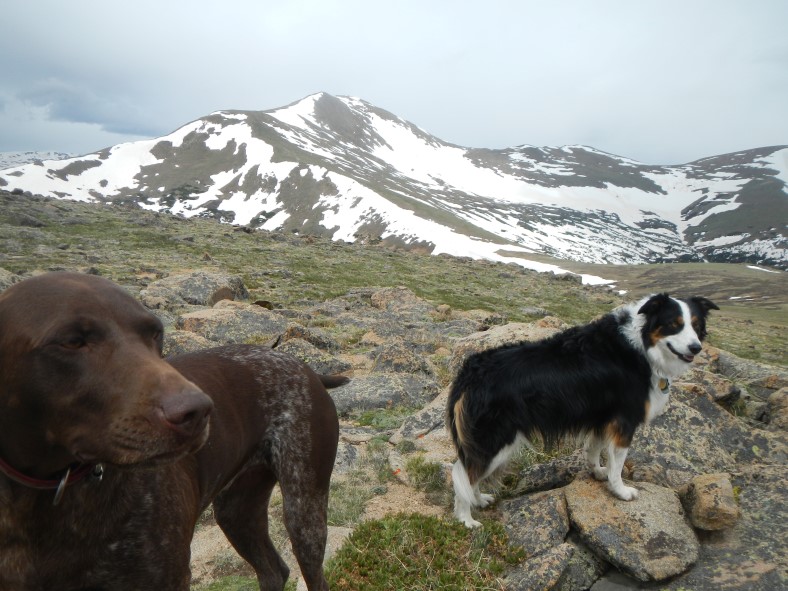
(669, 331)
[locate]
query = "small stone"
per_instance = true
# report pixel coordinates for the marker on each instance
(710, 503)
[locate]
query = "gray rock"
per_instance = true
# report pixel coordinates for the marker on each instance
(696, 436)
(541, 572)
(536, 522)
(760, 379)
(777, 410)
(502, 335)
(378, 391)
(197, 289)
(318, 360)
(401, 301)
(647, 538)
(616, 581)
(584, 567)
(554, 473)
(184, 341)
(234, 322)
(397, 357)
(753, 554)
(313, 336)
(7, 279)
(431, 418)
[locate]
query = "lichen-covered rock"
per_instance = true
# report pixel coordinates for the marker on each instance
(313, 336)
(402, 301)
(233, 322)
(497, 336)
(648, 538)
(397, 357)
(554, 473)
(777, 410)
(7, 279)
(584, 567)
(710, 503)
(760, 379)
(719, 388)
(753, 554)
(318, 360)
(184, 341)
(696, 436)
(430, 419)
(536, 522)
(384, 390)
(197, 289)
(541, 572)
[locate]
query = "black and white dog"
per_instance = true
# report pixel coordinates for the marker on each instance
(603, 379)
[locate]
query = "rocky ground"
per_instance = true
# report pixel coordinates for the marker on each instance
(711, 471)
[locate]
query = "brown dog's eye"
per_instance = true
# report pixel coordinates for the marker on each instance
(73, 343)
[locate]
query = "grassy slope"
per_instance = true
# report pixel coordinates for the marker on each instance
(133, 246)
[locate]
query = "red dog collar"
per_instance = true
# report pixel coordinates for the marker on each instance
(70, 477)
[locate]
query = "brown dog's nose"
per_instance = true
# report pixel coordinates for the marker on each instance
(187, 412)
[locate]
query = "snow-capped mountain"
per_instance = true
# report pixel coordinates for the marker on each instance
(342, 167)
(13, 159)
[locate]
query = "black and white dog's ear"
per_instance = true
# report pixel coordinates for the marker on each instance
(654, 303)
(704, 304)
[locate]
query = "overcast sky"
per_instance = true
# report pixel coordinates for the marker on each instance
(663, 82)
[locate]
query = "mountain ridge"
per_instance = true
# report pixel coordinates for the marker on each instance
(341, 167)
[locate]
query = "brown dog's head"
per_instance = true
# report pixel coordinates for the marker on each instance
(82, 378)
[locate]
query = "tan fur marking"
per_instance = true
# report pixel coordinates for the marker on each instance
(613, 433)
(459, 421)
(656, 335)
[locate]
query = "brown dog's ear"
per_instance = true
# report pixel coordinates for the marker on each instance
(704, 304)
(654, 303)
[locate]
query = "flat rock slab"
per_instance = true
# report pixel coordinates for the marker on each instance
(536, 522)
(648, 538)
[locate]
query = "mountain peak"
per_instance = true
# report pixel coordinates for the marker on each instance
(339, 166)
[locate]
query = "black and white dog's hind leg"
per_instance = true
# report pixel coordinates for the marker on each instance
(467, 494)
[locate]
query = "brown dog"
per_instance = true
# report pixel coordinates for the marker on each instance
(107, 457)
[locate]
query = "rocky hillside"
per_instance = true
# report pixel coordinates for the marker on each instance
(712, 508)
(343, 168)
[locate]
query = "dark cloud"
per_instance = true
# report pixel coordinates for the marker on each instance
(68, 102)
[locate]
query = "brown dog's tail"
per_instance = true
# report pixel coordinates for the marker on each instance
(333, 381)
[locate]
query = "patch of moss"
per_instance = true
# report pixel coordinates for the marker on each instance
(412, 551)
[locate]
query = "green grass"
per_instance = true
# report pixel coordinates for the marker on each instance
(349, 494)
(411, 551)
(383, 419)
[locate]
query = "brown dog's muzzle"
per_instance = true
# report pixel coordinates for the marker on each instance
(187, 412)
